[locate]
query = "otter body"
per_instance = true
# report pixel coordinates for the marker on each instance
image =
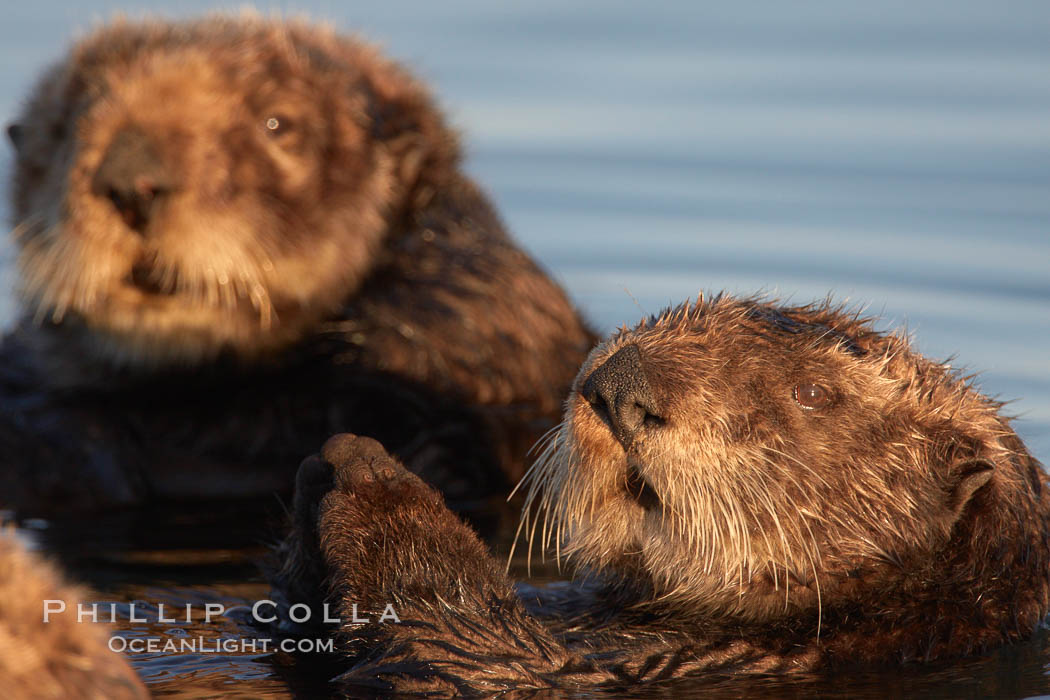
(742, 487)
(237, 236)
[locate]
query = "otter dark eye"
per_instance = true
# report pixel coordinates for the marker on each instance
(810, 396)
(277, 125)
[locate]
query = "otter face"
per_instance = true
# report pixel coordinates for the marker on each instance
(752, 461)
(187, 189)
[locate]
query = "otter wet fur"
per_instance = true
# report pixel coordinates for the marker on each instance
(59, 658)
(742, 487)
(236, 236)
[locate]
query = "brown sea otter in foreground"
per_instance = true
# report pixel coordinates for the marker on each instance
(747, 488)
(236, 237)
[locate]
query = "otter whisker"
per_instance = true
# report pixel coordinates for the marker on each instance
(542, 447)
(539, 478)
(523, 522)
(547, 439)
(810, 471)
(763, 498)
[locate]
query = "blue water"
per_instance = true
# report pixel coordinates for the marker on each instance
(894, 154)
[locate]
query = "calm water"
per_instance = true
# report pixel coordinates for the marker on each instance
(895, 154)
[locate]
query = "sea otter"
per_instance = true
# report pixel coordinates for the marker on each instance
(60, 657)
(237, 236)
(744, 487)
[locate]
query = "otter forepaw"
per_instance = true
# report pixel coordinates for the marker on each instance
(369, 534)
(345, 494)
(375, 511)
(381, 532)
(364, 476)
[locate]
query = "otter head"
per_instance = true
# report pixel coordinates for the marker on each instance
(218, 186)
(741, 460)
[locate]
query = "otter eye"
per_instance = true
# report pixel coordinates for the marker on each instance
(810, 396)
(278, 125)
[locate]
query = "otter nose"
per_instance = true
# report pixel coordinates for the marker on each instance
(133, 177)
(619, 393)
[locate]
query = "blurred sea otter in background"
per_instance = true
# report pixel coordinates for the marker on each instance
(237, 236)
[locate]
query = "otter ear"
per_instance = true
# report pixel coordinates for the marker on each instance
(398, 124)
(406, 120)
(411, 153)
(968, 476)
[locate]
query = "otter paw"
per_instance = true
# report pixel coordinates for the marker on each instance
(378, 534)
(362, 468)
(375, 512)
(352, 483)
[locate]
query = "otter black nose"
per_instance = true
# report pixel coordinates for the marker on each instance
(619, 392)
(133, 177)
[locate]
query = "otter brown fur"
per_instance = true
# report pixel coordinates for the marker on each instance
(236, 236)
(60, 658)
(745, 487)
